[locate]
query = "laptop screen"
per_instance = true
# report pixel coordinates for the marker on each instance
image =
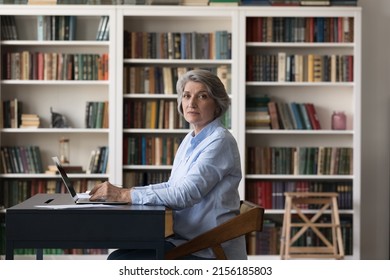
(65, 178)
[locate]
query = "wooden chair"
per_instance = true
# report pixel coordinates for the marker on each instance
(249, 220)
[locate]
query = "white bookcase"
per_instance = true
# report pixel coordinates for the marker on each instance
(70, 97)
(326, 96)
(159, 20)
(67, 97)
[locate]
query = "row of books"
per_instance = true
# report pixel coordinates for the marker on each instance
(300, 160)
(60, 251)
(8, 28)
(263, 113)
(154, 114)
(103, 32)
(139, 178)
(15, 191)
(52, 28)
(293, 115)
(267, 242)
(98, 161)
(20, 159)
(96, 114)
(163, 79)
(177, 45)
(151, 79)
(300, 29)
(283, 67)
(150, 150)
(270, 194)
(28, 65)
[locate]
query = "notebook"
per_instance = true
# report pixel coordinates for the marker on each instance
(78, 198)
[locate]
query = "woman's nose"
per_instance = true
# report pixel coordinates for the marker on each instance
(192, 102)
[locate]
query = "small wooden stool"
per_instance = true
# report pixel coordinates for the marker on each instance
(332, 246)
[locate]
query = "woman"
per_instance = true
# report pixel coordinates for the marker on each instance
(203, 187)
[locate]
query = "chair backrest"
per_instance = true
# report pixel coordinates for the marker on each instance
(249, 220)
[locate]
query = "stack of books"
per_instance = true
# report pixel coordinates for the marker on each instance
(30, 121)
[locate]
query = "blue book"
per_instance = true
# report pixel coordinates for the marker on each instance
(305, 116)
(296, 115)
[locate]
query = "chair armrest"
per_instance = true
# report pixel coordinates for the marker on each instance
(244, 223)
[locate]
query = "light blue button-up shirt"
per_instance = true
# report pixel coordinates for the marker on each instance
(203, 187)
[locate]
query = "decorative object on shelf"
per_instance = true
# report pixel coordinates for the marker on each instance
(64, 150)
(339, 121)
(58, 120)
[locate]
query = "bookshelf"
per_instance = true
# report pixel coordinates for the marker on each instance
(124, 92)
(266, 35)
(39, 87)
(159, 43)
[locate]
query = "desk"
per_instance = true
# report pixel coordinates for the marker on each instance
(122, 226)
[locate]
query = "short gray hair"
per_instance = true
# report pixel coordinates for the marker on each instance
(213, 84)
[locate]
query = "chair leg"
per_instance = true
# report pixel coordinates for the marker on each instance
(285, 235)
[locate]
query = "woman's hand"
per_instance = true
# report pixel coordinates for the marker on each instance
(107, 192)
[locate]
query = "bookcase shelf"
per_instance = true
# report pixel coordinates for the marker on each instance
(38, 96)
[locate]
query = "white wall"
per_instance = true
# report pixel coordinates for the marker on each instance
(376, 128)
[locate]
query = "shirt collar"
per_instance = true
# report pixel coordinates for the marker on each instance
(205, 132)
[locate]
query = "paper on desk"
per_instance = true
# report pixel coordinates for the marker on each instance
(69, 206)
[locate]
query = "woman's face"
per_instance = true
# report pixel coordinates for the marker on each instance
(198, 107)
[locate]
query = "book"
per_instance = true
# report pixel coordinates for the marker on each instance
(314, 2)
(297, 115)
(311, 111)
(273, 115)
(282, 67)
(194, 2)
(255, 3)
(305, 116)
(224, 2)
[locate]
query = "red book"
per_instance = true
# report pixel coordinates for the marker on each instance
(311, 111)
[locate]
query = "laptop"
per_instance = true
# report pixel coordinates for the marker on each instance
(78, 198)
